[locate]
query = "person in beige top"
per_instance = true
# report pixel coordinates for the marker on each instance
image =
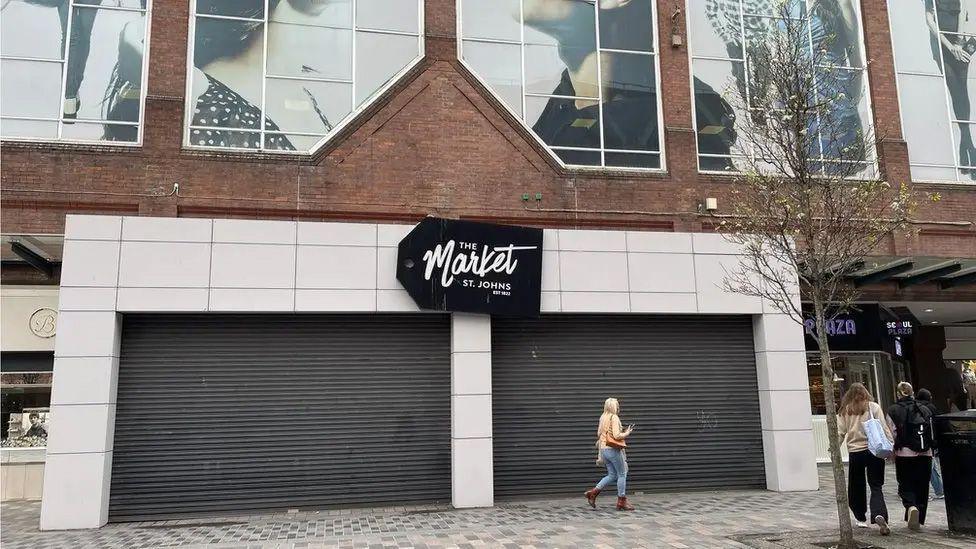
(856, 407)
(610, 436)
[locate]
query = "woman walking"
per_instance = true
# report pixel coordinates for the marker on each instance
(857, 407)
(910, 421)
(611, 441)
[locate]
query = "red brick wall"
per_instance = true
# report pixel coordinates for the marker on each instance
(435, 144)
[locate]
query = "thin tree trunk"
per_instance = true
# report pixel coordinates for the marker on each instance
(846, 540)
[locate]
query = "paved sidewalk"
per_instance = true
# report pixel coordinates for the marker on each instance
(675, 521)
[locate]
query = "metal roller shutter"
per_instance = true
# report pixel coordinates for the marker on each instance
(688, 382)
(248, 412)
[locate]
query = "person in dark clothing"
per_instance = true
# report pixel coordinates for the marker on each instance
(913, 466)
(36, 428)
(938, 491)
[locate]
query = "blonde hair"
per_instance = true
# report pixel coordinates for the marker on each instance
(610, 408)
(905, 389)
(856, 401)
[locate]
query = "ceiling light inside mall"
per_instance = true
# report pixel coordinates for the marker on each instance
(929, 310)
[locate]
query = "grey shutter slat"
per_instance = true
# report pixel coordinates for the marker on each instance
(223, 412)
(689, 382)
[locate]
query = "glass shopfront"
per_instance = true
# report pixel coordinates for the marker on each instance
(868, 345)
(878, 371)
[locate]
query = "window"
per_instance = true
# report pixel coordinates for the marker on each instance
(583, 75)
(934, 42)
(73, 69)
(288, 89)
(720, 34)
(25, 398)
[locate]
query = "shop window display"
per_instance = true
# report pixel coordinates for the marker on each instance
(934, 42)
(720, 35)
(282, 75)
(73, 69)
(26, 399)
(582, 75)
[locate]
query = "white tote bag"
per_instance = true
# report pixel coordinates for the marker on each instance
(878, 443)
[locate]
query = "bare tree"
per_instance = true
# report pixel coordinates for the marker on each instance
(809, 203)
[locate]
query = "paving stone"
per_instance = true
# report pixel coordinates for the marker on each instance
(699, 520)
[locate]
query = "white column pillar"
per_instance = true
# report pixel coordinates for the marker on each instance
(472, 472)
(784, 403)
(78, 467)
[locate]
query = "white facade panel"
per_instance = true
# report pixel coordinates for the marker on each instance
(346, 267)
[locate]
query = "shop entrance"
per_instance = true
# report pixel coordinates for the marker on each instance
(219, 413)
(688, 382)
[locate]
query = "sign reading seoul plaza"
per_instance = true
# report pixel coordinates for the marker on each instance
(450, 265)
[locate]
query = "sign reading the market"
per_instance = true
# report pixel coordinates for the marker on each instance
(450, 265)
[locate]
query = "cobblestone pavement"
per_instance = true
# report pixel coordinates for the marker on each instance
(699, 520)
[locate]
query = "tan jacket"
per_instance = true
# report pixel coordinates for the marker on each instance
(851, 428)
(608, 423)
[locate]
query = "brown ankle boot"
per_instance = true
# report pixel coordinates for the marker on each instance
(622, 504)
(591, 496)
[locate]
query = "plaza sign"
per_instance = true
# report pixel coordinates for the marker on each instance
(451, 265)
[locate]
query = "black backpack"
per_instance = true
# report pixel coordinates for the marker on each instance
(915, 431)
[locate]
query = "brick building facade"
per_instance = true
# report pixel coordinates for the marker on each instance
(436, 143)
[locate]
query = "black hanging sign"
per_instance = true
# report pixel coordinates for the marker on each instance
(450, 265)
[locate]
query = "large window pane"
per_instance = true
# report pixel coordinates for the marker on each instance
(832, 30)
(33, 30)
(715, 29)
(926, 124)
(933, 173)
(333, 13)
(89, 132)
(715, 115)
(28, 128)
(633, 160)
(630, 102)
(936, 85)
(296, 50)
(913, 38)
(848, 117)
(491, 19)
(289, 89)
(579, 158)
(393, 15)
(95, 51)
(251, 9)
(499, 65)
(956, 16)
(962, 138)
(227, 86)
(627, 26)
(547, 73)
(105, 61)
(578, 62)
(30, 88)
(564, 122)
(303, 106)
(834, 27)
(379, 58)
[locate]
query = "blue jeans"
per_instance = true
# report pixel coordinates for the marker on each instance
(936, 479)
(616, 470)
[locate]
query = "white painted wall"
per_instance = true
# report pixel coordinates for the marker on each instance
(17, 304)
(115, 265)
